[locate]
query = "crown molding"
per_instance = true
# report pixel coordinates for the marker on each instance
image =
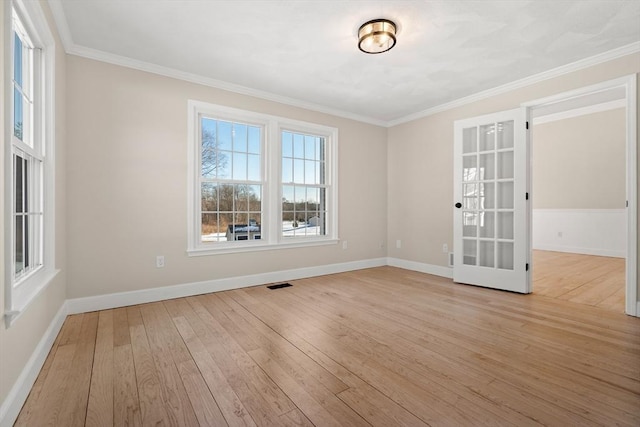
(74, 49)
(527, 81)
(123, 61)
(61, 23)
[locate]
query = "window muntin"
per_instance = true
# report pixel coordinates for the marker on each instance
(230, 181)
(303, 191)
(240, 184)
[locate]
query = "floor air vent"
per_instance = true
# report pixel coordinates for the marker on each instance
(279, 285)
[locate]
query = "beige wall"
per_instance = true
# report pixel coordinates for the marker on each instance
(127, 181)
(18, 343)
(580, 162)
(420, 164)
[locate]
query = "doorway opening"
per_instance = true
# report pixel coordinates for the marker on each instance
(583, 210)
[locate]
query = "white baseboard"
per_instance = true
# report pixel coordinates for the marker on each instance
(18, 394)
(582, 250)
(436, 270)
(122, 299)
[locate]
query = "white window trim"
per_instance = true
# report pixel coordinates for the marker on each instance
(271, 161)
(19, 295)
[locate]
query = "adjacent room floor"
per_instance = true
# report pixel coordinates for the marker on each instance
(586, 279)
(381, 346)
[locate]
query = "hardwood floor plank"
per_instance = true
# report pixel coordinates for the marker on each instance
(121, 334)
(262, 399)
(476, 343)
(126, 402)
(31, 405)
(74, 405)
(294, 361)
(71, 328)
(584, 279)
(45, 412)
(193, 397)
(152, 411)
(315, 411)
(174, 396)
(198, 340)
(381, 346)
(100, 405)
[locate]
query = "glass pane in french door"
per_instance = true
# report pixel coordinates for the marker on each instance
(488, 195)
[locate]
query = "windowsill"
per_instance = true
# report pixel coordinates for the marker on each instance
(257, 246)
(36, 285)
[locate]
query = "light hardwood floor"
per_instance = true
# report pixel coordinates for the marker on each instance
(382, 346)
(585, 279)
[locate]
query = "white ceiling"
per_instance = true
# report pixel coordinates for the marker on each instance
(305, 51)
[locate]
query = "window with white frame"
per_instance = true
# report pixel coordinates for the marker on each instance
(259, 181)
(303, 184)
(28, 157)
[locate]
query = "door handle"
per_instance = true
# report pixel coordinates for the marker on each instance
(458, 205)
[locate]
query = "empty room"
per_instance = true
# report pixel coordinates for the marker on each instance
(319, 212)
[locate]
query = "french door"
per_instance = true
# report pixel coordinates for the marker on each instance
(490, 213)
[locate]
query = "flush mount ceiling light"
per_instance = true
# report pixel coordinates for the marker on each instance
(377, 36)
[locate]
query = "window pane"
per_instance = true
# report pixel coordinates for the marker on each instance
(469, 168)
(239, 166)
(505, 134)
(239, 137)
(224, 135)
(254, 140)
(17, 59)
(287, 170)
(487, 137)
(18, 117)
(209, 197)
(20, 246)
(18, 184)
(210, 231)
(212, 159)
(470, 140)
(298, 146)
(486, 254)
(309, 147)
(469, 248)
(287, 144)
(298, 171)
(287, 196)
(254, 168)
(223, 169)
(310, 172)
(255, 198)
(313, 199)
(225, 197)
(27, 246)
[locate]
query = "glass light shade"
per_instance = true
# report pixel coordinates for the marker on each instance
(377, 36)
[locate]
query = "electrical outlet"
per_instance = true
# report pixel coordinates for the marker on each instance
(445, 248)
(398, 244)
(345, 245)
(560, 234)
(160, 261)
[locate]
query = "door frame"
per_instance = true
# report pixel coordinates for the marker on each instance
(629, 83)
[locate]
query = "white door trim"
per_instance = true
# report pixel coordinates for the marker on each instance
(629, 83)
